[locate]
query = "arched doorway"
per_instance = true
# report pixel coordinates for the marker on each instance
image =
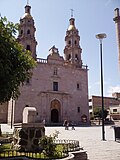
(54, 116)
(55, 111)
(84, 118)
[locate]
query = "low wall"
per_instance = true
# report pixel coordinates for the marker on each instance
(77, 155)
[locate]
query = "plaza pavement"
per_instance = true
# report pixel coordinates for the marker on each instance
(89, 138)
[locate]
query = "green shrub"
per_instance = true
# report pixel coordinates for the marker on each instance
(5, 147)
(48, 146)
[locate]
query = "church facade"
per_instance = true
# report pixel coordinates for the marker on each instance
(58, 88)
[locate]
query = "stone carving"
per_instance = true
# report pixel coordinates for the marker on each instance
(29, 114)
(27, 134)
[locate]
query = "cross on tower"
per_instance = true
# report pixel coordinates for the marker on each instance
(27, 2)
(71, 12)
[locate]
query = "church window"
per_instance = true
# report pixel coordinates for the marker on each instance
(69, 56)
(28, 47)
(75, 42)
(28, 31)
(21, 32)
(55, 86)
(69, 42)
(76, 57)
(78, 86)
(55, 71)
(78, 109)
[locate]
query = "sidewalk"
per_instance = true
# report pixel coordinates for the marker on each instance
(90, 140)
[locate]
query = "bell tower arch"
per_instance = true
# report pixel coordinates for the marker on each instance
(27, 31)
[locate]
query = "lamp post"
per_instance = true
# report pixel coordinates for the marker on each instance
(101, 37)
(12, 114)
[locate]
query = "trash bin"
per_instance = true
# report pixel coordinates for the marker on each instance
(117, 132)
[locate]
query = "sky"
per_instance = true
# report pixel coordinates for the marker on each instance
(91, 17)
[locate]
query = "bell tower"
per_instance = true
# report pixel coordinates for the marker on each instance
(72, 51)
(27, 32)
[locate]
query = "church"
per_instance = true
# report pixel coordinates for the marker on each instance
(58, 89)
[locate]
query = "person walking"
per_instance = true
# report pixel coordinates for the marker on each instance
(66, 124)
(73, 125)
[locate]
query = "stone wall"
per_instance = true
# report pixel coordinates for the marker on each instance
(40, 94)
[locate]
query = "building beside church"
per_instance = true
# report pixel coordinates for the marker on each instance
(111, 104)
(58, 88)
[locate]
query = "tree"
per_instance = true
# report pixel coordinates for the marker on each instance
(98, 112)
(16, 63)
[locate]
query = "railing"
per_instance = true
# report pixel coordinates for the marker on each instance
(29, 155)
(41, 60)
(68, 145)
(5, 140)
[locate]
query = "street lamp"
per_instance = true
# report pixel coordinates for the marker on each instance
(101, 37)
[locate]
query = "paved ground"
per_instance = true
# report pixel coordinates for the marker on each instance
(6, 129)
(90, 140)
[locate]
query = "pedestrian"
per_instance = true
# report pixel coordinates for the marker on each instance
(65, 124)
(73, 125)
(43, 122)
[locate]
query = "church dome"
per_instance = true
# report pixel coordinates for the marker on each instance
(71, 27)
(27, 12)
(72, 24)
(27, 15)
